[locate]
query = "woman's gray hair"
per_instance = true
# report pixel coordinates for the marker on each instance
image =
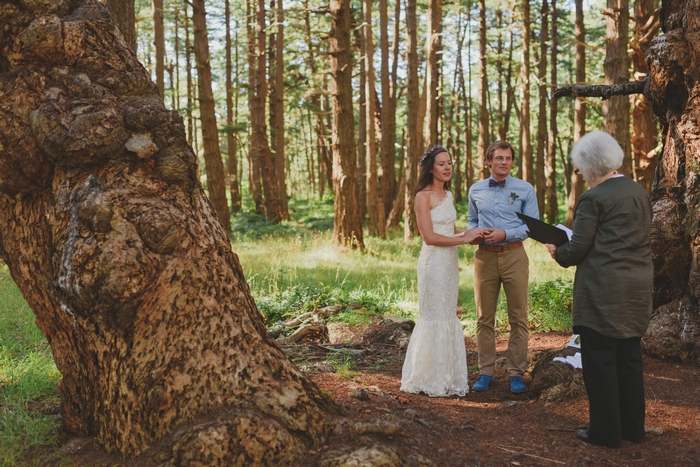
(596, 154)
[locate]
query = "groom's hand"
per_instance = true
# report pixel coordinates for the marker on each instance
(494, 235)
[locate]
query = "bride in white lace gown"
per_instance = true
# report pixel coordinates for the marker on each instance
(436, 361)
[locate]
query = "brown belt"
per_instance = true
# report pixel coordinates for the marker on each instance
(498, 249)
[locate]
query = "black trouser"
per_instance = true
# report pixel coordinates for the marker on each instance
(612, 372)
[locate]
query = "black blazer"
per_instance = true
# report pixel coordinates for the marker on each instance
(611, 248)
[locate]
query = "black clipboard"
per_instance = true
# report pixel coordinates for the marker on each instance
(543, 232)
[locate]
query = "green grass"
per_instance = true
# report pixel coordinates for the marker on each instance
(291, 275)
(293, 267)
(344, 364)
(28, 379)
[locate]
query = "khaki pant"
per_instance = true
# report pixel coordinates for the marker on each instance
(511, 269)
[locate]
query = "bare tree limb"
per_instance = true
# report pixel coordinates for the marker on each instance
(605, 91)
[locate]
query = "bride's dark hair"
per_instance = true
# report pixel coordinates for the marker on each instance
(425, 178)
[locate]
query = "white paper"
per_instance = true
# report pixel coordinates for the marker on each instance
(569, 232)
(574, 360)
(574, 341)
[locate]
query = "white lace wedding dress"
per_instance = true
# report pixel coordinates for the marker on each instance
(436, 360)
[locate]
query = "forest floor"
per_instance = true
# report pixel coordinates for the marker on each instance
(492, 428)
(497, 427)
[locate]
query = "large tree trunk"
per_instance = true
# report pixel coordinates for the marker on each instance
(108, 233)
(645, 135)
(124, 14)
(214, 166)
(347, 223)
(675, 326)
(412, 121)
(616, 110)
(579, 113)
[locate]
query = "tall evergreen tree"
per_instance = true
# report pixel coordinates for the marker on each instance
(483, 136)
(347, 223)
(552, 209)
(414, 140)
(540, 184)
(580, 111)
(525, 160)
(214, 166)
(616, 110)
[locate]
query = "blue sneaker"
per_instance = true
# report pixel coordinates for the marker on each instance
(517, 386)
(483, 383)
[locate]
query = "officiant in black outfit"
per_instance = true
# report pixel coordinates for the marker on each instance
(611, 247)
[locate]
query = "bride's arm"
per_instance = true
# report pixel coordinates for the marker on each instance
(425, 225)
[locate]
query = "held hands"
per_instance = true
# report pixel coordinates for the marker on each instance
(494, 235)
(471, 236)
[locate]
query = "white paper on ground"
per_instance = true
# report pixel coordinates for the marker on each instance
(574, 341)
(573, 360)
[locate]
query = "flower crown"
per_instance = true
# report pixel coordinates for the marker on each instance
(432, 151)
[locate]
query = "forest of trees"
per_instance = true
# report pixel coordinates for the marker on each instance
(298, 101)
(106, 229)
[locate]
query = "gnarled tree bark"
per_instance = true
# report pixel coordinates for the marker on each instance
(108, 234)
(672, 59)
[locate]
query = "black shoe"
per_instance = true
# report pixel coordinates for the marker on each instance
(585, 436)
(633, 439)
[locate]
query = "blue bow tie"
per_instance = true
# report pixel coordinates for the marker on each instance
(493, 183)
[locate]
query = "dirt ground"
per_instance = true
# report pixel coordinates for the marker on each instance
(497, 427)
(493, 428)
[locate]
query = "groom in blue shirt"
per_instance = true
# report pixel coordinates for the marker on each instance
(501, 261)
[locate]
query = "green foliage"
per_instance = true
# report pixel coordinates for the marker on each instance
(549, 308)
(344, 363)
(550, 304)
(297, 299)
(316, 215)
(360, 305)
(289, 276)
(307, 216)
(250, 225)
(28, 379)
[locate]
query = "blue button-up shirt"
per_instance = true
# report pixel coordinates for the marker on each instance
(495, 207)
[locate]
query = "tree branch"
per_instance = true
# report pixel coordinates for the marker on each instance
(605, 91)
